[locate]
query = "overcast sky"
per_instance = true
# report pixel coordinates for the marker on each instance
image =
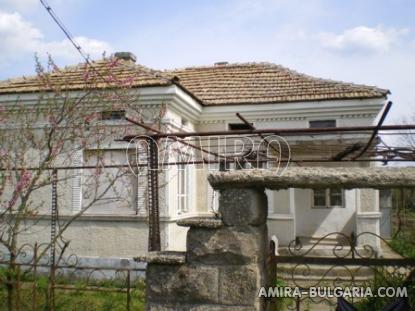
(363, 41)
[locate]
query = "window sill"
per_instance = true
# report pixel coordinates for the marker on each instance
(327, 207)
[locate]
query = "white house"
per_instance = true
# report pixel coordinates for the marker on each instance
(205, 99)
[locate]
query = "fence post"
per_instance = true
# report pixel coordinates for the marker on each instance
(34, 284)
(271, 275)
(54, 214)
(297, 303)
(128, 290)
(17, 288)
(10, 281)
(154, 243)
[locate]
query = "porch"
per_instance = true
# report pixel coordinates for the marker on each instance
(309, 215)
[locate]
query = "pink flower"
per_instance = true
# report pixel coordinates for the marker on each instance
(113, 62)
(90, 117)
(23, 181)
(85, 76)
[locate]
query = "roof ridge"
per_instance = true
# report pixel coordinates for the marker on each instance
(215, 66)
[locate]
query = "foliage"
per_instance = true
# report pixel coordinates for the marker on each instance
(282, 303)
(403, 245)
(383, 278)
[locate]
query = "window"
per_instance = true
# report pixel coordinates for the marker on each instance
(239, 126)
(182, 188)
(184, 122)
(322, 123)
(328, 198)
(113, 115)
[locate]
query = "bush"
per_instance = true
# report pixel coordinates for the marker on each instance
(403, 245)
(383, 278)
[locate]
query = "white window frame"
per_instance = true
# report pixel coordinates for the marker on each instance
(327, 200)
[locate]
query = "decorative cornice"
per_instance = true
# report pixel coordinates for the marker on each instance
(294, 118)
(358, 116)
(215, 121)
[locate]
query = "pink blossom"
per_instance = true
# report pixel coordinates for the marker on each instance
(52, 119)
(20, 186)
(57, 148)
(98, 171)
(113, 62)
(90, 117)
(85, 76)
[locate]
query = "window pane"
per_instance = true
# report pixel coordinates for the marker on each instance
(182, 188)
(322, 123)
(336, 197)
(113, 115)
(239, 126)
(320, 197)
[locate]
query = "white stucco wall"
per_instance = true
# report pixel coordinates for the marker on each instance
(96, 237)
(317, 222)
(103, 233)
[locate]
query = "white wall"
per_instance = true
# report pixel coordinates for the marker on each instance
(93, 236)
(316, 222)
(97, 236)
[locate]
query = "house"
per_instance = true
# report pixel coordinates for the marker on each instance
(206, 99)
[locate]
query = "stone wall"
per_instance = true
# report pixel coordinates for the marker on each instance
(317, 177)
(224, 265)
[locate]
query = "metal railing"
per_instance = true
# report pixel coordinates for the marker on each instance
(345, 264)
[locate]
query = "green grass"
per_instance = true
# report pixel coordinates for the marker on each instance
(79, 298)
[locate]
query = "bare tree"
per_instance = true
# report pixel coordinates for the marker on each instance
(41, 139)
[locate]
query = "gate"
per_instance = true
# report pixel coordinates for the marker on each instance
(301, 280)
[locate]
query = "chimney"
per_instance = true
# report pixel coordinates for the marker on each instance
(127, 56)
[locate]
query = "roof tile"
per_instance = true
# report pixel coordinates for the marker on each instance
(253, 83)
(248, 83)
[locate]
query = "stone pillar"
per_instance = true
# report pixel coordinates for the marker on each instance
(224, 265)
(368, 217)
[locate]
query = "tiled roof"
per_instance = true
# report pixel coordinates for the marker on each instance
(104, 74)
(225, 84)
(252, 83)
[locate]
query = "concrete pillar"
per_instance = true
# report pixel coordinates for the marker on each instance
(281, 221)
(368, 218)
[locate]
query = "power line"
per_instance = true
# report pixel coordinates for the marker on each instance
(65, 31)
(76, 45)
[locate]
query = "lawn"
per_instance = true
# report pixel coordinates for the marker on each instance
(105, 296)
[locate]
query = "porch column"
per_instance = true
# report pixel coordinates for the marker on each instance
(281, 210)
(368, 217)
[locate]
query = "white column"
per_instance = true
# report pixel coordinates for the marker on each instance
(281, 211)
(368, 217)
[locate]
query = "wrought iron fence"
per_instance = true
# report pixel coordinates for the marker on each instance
(32, 281)
(300, 279)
